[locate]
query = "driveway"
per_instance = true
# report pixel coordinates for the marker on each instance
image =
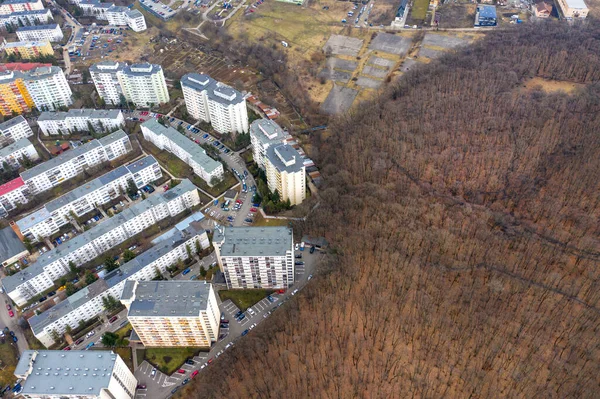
(11, 323)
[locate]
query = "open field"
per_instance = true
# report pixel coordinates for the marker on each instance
(243, 299)
(8, 362)
(551, 86)
(418, 11)
(168, 360)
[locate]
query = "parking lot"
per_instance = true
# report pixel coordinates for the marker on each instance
(98, 44)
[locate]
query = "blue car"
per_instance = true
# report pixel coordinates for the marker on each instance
(205, 136)
(186, 271)
(89, 345)
(244, 332)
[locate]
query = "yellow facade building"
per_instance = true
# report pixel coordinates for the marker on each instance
(28, 50)
(14, 97)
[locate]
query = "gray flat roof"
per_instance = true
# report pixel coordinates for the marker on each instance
(196, 152)
(59, 160)
(32, 219)
(16, 146)
(141, 69)
(285, 158)
(28, 12)
(134, 14)
(12, 122)
(254, 241)
(10, 245)
(37, 27)
(41, 72)
(267, 132)
(107, 66)
(67, 373)
(141, 164)
(215, 90)
(80, 113)
(178, 298)
(111, 138)
(577, 4)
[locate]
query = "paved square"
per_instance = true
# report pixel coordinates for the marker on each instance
(375, 72)
(382, 62)
(339, 100)
(336, 76)
(389, 43)
(434, 39)
(430, 53)
(338, 63)
(368, 82)
(409, 64)
(343, 45)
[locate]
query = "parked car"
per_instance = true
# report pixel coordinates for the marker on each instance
(181, 371)
(185, 381)
(195, 373)
(80, 340)
(224, 321)
(312, 249)
(141, 386)
(11, 313)
(251, 311)
(68, 348)
(153, 373)
(113, 319)
(190, 362)
(15, 339)
(295, 291)
(8, 307)
(244, 332)
(89, 345)
(186, 271)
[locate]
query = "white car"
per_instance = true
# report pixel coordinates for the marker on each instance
(295, 291)
(296, 247)
(201, 367)
(251, 311)
(91, 334)
(153, 373)
(252, 326)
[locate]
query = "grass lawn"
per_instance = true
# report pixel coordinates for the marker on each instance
(168, 360)
(33, 342)
(247, 156)
(8, 362)
(419, 10)
(125, 353)
(244, 298)
(228, 181)
(122, 332)
(261, 221)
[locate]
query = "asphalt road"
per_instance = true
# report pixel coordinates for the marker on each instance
(11, 323)
(99, 331)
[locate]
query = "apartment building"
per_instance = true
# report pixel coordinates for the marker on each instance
(53, 374)
(80, 120)
(13, 154)
(143, 84)
(255, 257)
(28, 49)
(14, 97)
(48, 88)
(51, 33)
(173, 313)
(95, 8)
(104, 74)
(573, 9)
(123, 16)
(11, 247)
(87, 302)
(56, 213)
(214, 102)
(263, 134)
(169, 139)
(118, 144)
(16, 128)
(91, 244)
(12, 194)
(11, 6)
(286, 173)
(23, 18)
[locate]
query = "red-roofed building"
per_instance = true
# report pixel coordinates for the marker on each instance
(11, 194)
(22, 66)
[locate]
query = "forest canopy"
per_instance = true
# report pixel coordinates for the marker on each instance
(463, 214)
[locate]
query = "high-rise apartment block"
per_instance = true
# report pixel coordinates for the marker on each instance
(16, 128)
(104, 75)
(255, 257)
(173, 313)
(263, 134)
(143, 84)
(214, 102)
(286, 173)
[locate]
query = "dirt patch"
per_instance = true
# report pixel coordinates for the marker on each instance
(456, 15)
(336, 76)
(552, 86)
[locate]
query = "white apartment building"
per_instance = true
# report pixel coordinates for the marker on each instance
(214, 102)
(104, 75)
(48, 88)
(87, 303)
(13, 153)
(32, 17)
(169, 139)
(11, 6)
(12, 194)
(95, 8)
(263, 134)
(51, 33)
(286, 173)
(57, 374)
(118, 144)
(123, 16)
(173, 313)
(91, 244)
(80, 120)
(16, 128)
(56, 213)
(255, 257)
(143, 84)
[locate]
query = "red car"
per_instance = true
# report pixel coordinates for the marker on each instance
(196, 141)
(11, 313)
(68, 348)
(195, 373)
(8, 307)
(281, 291)
(253, 209)
(113, 319)
(210, 361)
(181, 371)
(238, 201)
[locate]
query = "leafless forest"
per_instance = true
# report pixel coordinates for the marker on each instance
(463, 212)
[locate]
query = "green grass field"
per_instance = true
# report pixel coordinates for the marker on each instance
(8, 362)
(418, 12)
(169, 359)
(243, 299)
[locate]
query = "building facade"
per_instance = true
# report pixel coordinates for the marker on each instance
(143, 84)
(14, 153)
(104, 75)
(28, 49)
(16, 128)
(255, 257)
(80, 120)
(173, 313)
(48, 88)
(50, 33)
(123, 16)
(29, 17)
(211, 101)
(169, 139)
(14, 97)
(573, 9)
(11, 6)
(91, 244)
(13, 194)
(57, 374)
(87, 303)
(263, 134)
(286, 173)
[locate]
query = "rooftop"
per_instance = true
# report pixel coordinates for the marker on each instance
(134, 14)
(111, 138)
(254, 241)
(285, 158)
(141, 69)
(181, 298)
(37, 27)
(215, 91)
(11, 185)
(10, 245)
(576, 4)
(487, 11)
(267, 132)
(143, 163)
(59, 160)
(25, 44)
(12, 148)
(107, 66)
(197, 153)
(19, 1)
(80, 113)
(12, 122)
(68, 373)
